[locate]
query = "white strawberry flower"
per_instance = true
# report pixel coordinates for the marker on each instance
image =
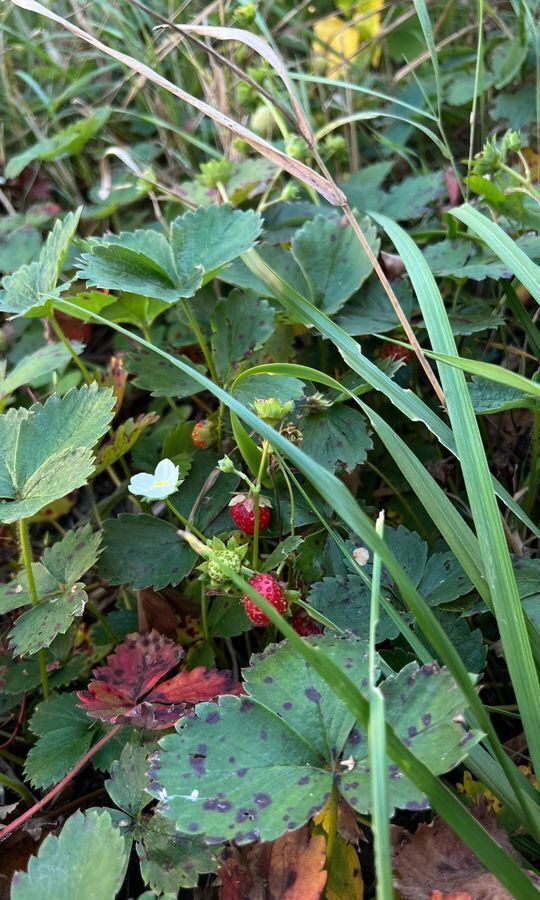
(158, 486)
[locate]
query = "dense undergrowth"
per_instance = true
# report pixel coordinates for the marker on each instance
(269, 450)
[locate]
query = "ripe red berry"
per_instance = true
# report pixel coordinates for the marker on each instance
(304, 625)
(394, 351)
(203, 434)
(242, 509)
(268, 587)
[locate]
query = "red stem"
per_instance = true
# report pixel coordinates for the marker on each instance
(57, 789)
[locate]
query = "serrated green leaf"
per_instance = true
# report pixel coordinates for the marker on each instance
(45, 452)
(209, 238)
(123, 268)
(490, 397)
(30, 287)
(335, 438)
(127, 785)
(333, 264)
(37, 627)
(170, 861)
(65, 734)
(87, 860)
(144, 551)
(68, 141)
(242, 324)
(371, 311)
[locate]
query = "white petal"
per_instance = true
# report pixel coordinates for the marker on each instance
(140, 483)
(166, 471)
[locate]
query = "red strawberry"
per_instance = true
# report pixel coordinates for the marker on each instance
(203, 434)
(304, 625)
(268, 587)
(394, 351)
(242, 507)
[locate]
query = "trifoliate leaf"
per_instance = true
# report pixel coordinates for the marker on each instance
(68, 141)
(34, 366)
(440, 579)
(46, 451)
(335, 438)
(332, 260)
(242, 324)
(144, 551)
(87, 860)
(295, 735)
(145, 262)
(170, 861)
(31, 286)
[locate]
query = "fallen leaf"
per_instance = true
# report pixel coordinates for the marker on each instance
(291, 868)
(337, 43)
(296, 869)
(434, 863)
(126, 691)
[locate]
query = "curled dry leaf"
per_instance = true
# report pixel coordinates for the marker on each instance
(291, 868)
(127, 691)
(434, 864)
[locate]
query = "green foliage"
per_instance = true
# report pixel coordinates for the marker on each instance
(67, 864)
(31, 288)
(34, 366)
(46, 451)
(65, 733)
(145, 262)
(336, 437)
(145, 551)
(68, 141)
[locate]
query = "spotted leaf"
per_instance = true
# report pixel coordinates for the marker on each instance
(125, 689)
(252, 768)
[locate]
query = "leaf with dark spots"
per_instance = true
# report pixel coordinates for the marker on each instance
(126, 690)
(252, 768)
(423, 706)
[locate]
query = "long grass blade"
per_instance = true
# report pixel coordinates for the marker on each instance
(497, 563)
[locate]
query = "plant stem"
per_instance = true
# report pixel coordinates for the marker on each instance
(26, 554)
(256, 495)
(60, 786)
(204, 614)
(184, 521)
(61, 336)
(196, 329)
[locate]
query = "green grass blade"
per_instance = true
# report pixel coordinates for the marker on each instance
(367, 114)
(525, 270)
(425, 24)
(380, 808)
(490, 371)
(498, 565)
(347, 85)
(522, 317)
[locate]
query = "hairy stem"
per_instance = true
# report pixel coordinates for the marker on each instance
(26, 555)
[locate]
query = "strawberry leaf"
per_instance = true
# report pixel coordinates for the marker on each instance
(65, 866)
(297, 741)
(124, 690)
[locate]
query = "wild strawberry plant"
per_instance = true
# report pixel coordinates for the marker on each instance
(258, 597)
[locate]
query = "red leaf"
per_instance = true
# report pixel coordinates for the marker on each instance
(195, 686)
(124, 690)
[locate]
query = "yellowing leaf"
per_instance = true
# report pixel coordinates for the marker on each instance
(337, 43)
(345, 875)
